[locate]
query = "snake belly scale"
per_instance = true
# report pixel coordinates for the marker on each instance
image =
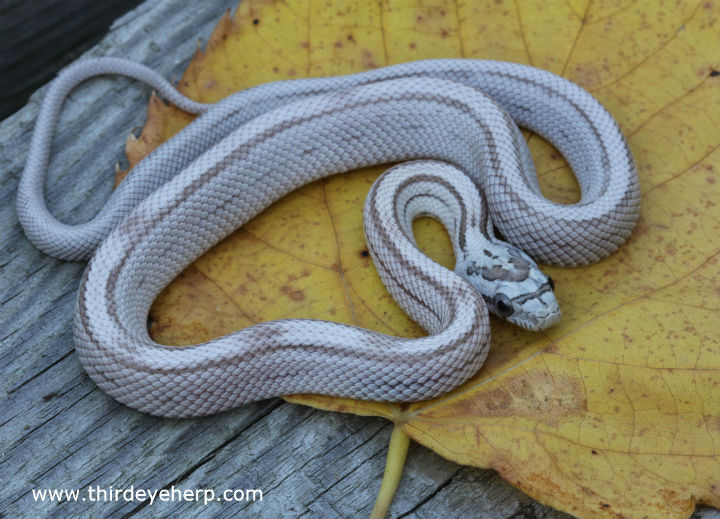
(252, 148)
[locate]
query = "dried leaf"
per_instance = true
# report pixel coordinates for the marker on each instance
(615, 411)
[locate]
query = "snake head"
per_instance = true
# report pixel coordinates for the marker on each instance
(511, 283)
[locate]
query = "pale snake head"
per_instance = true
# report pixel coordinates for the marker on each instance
(511, 283)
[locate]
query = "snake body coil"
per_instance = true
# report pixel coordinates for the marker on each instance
(255, 146)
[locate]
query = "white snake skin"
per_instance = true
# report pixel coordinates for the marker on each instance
(255, 146)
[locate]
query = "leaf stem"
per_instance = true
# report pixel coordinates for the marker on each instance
(397, 452)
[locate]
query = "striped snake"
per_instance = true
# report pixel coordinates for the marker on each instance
(449, 118)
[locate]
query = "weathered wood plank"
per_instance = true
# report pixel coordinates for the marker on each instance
(42, 36)
(57, 430)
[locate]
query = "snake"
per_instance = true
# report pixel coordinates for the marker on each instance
(452, 127)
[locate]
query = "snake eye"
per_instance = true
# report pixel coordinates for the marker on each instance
(503, 305)
(551, 283)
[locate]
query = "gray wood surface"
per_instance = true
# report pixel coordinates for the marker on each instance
(57, 430)
(42, 36)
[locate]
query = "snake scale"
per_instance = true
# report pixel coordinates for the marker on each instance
(452, 120)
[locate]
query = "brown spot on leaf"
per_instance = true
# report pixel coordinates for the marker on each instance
(713, 423)
(534, 394)
(295, 295)
(498, 400)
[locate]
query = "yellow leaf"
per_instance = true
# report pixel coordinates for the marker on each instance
(615, 411)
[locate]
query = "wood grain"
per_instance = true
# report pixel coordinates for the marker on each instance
(42, 36)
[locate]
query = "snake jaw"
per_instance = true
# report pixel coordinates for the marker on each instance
(543, 316)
